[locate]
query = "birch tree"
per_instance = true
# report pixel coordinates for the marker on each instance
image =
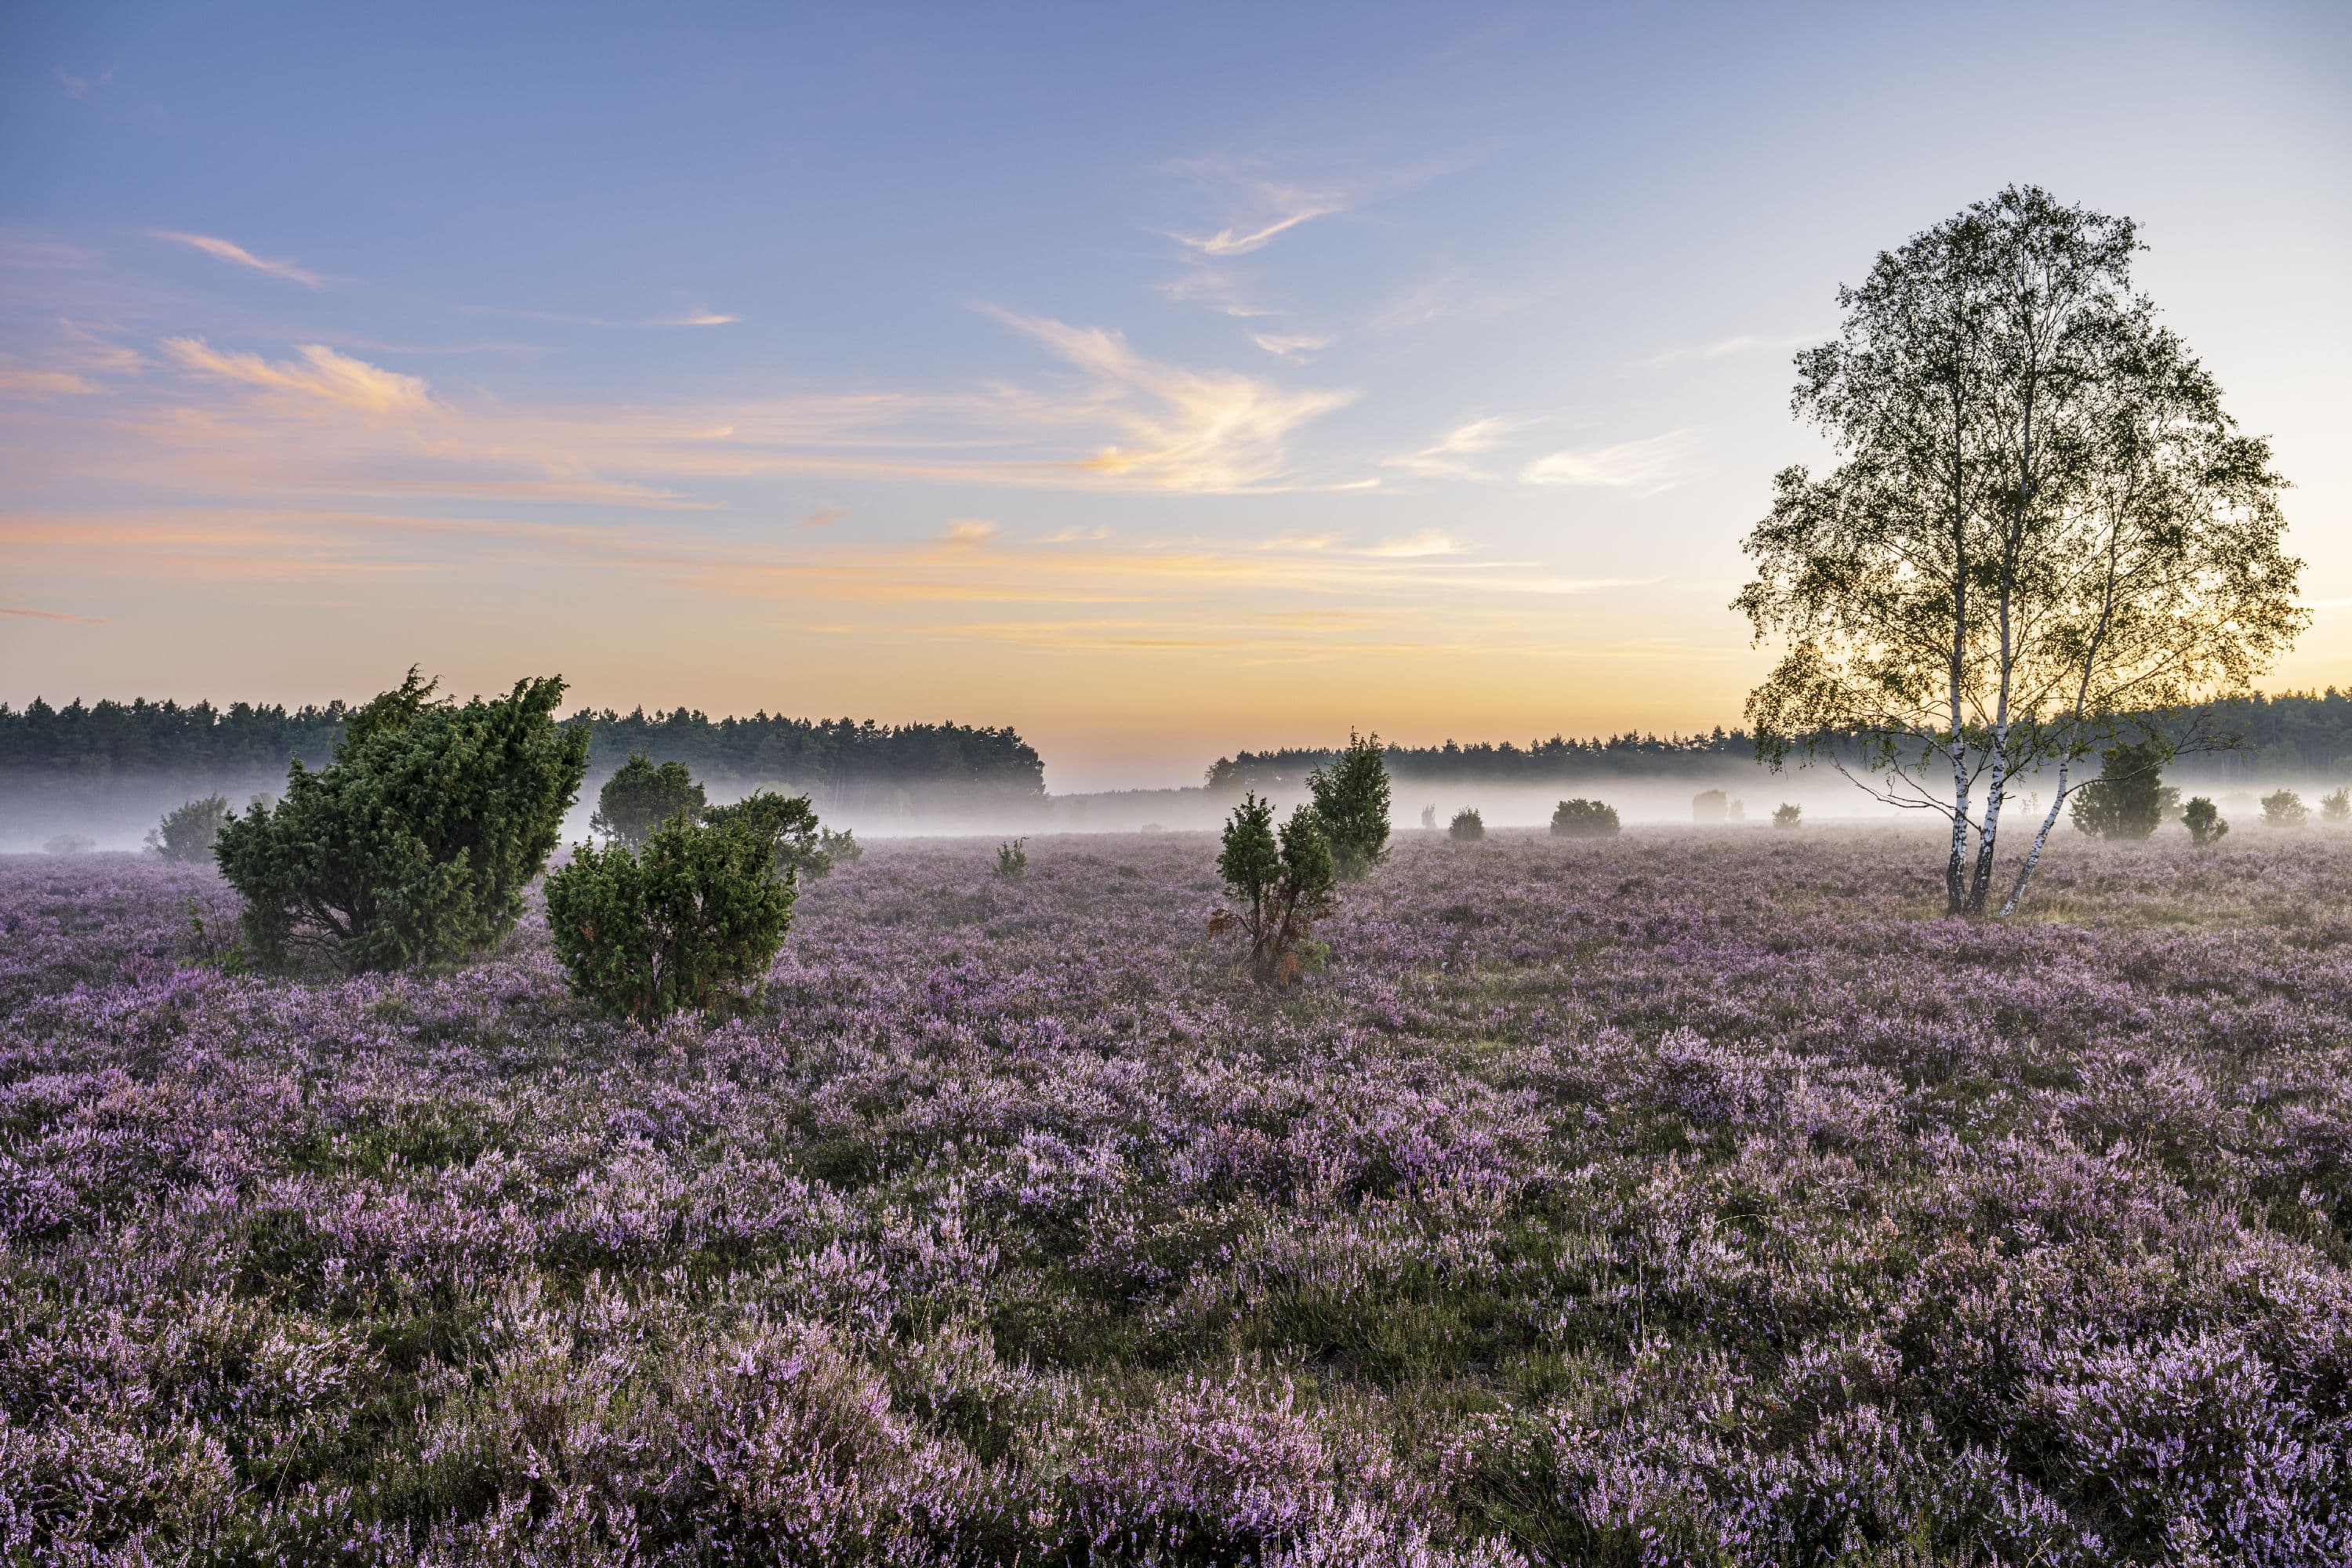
(2041, 526)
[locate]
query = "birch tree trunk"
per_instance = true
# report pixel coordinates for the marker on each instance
(2034, 856)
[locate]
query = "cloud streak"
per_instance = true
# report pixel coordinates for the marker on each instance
(1239, 240)
(33, 614)
(1650, 465)
(1190, 430)
(237, 255)
(1289, 345)
(1449, 456)
(320, 373)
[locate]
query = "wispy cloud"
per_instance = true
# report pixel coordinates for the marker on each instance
(1202, 430)
(1075, 536)
(1449, 456)
(239, 256)
(320, 373)
(823, 517)
(80, 86)
(1723, 348)
(1289, 345)
(1428, 541)
(969, 532)
(1650, 465)
(1218, 289)
(32, 615)
(19, 379)
(1291, 208)
(562, 319)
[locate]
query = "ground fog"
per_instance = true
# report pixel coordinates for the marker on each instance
(1674, 1198)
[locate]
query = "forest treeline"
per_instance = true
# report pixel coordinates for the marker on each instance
(2257, 736)
(99, 744)
(91, 746)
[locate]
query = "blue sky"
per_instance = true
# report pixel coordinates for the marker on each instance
(1160, 379)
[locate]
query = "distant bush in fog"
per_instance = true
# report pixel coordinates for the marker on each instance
(2335, 805)
(187, 832)
(1788, 815)
(71, 843)
(2127, 800)
(1467, 825)
(1584, 819)
(2283, 808)
(641, 795)
(1710, 806)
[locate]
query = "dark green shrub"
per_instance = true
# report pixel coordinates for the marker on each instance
(1582, 818)
(187, 832)
(680, 923)
(641, 795)
(414, 845)
(2335, 805)
(2127, 800)
(1012, 861)
(1788, 815)
(1352, 798)
(2283, 808)
(1468, 827)
(1280, 886)
(2203, 820)
(803, 848)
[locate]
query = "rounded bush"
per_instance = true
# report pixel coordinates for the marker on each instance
(1583, 818)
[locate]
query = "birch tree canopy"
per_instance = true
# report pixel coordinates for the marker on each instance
(2041, 526)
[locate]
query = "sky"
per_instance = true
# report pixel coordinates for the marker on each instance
(1159, 380)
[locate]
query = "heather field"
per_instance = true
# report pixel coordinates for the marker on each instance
(1681, 1198)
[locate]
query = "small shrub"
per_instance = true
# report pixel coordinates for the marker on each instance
(1012, 861)
(641, 795)
(1468, 827)
(1352, 799)
(2283, 808)
(71, 843)
(187, 832)
(2335, 805)
(1429, 817)
(414, 845)
(680, 923)
(1581, 818)
(1281, 885)
(1788, 815)
(2126, 802)
(802, 847)
(2204, 822)
(1737, 810)
(1710, 806)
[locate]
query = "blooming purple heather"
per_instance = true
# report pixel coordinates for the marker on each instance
(1660, 1199)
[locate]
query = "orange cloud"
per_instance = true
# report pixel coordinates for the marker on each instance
(320, 373)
